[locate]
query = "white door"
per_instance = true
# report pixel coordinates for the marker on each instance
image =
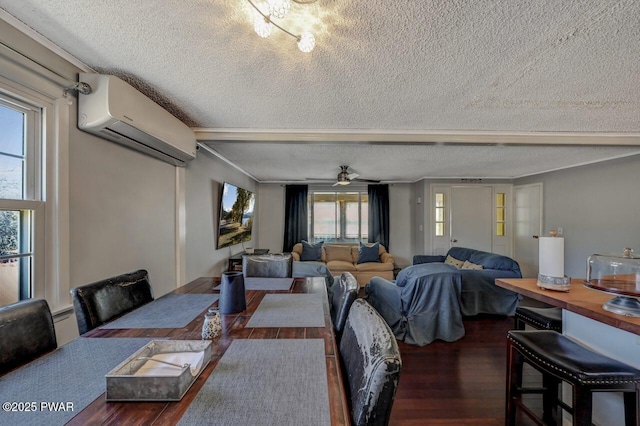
(472, 217)
(528, 227)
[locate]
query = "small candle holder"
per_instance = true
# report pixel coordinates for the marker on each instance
(212, 326)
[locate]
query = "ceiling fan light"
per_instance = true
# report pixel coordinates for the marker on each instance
(343, 182)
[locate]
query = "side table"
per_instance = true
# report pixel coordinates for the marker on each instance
(235, 261)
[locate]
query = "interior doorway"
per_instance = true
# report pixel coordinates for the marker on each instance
(472, 216)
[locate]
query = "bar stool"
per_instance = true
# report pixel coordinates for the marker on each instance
(560, 359)
(539, 318)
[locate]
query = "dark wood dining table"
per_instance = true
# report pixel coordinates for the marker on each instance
(233, 327)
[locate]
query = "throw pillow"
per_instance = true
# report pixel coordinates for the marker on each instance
(369, 253)
(311, 252)
(338, 252)
(469, 265)
(450, 260)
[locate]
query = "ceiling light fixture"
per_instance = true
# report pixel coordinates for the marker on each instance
(267, 10)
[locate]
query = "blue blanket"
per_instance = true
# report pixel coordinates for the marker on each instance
(424, 309)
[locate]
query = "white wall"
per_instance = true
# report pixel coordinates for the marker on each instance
(271, 218)
(401, 223)
(204, 178)
(122, 213)
(421, 220)
(598, 207)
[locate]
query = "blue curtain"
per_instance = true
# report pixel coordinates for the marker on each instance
(295, 216)
(379, 214)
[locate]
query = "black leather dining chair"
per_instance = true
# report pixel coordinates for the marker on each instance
(343, 294)
(26, 333)
(102, 301)
(267, 265)
(371, 365)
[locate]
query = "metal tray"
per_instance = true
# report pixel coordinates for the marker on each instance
(124, 385)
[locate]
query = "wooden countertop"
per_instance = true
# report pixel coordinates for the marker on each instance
(579, 299)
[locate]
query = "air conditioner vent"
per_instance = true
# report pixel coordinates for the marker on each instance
(116, 111)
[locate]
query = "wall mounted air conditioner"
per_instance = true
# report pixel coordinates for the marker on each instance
(116, 111)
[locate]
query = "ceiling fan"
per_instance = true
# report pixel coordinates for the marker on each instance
(345, 178)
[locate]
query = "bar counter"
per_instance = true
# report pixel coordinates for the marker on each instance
(587, 322)
(578, 299)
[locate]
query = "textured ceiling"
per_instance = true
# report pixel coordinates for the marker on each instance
(405, 163)
(457, 65)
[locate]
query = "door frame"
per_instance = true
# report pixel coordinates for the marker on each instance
(435, 245)
(540, 185)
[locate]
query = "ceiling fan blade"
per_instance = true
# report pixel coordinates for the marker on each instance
(367, 180)
(351, 176)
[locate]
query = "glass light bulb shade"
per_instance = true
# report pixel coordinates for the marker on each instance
(307, 42)
(261, 26)
(279, 8)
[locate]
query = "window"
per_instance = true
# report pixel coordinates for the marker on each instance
(500, 214)
(440, 215)
(20, 196)
(338, 216)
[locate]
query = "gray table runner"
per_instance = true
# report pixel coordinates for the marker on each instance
(289, 310)
(256, 283)
(170, 311)
(265, 382)
(72, 375)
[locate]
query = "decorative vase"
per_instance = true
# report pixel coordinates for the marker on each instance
(232, 297)
(212, 325)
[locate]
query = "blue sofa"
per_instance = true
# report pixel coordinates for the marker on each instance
(428, 299)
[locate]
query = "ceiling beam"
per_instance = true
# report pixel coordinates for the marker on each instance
(417, 137)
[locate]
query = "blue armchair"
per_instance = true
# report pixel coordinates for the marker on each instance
(420, 307)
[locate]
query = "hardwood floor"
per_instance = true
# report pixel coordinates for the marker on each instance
(459, 383)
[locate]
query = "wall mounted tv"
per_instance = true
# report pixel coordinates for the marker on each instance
(236, 215)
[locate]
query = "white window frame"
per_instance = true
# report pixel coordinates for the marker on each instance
(310, 201)
(26, 82)
(32, 189)
(31, 186)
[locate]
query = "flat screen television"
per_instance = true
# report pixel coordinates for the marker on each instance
(236, 215)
